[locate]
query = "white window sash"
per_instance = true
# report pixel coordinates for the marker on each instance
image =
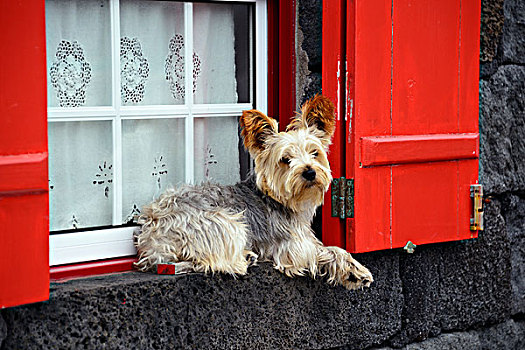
(84, 246)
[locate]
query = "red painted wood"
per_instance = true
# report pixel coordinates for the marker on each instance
(23, 173)
(424, 203)
(383, 150)
(286, 62)
(467, 175)
(166, 269)
(415, 75)
(349, 140)
(93, 268)
(333, 229)
(24, 262)
(469, 65)
(372, 216)
(273, 58)
(426, 66)
(371, 116)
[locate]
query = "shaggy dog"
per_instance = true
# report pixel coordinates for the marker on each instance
(214, 228)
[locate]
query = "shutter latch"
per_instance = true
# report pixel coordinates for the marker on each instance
(476, 193)
(343, 198)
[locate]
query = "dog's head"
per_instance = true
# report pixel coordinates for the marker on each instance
(292, 166)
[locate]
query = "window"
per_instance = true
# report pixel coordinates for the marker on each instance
(126, 119)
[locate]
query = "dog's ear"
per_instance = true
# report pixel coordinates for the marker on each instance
(317, 115)
(256, 127)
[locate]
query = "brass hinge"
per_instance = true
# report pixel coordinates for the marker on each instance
(343, 198)
(476, 193)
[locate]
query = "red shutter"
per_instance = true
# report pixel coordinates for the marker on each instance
(24, 236)
(411, 133)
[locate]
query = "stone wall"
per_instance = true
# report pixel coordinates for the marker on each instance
(459, 295)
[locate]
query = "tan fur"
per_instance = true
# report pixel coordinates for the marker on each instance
(216, 229)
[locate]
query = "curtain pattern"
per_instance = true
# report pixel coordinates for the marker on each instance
(152, 73)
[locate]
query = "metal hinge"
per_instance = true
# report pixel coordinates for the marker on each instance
(343, 198)
(476, 193)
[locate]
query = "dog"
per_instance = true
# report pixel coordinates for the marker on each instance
(213, 228)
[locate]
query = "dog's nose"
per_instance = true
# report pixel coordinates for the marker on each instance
(309, 174)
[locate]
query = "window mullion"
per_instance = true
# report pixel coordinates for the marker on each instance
(117, 122)
(261, 56)
(188, 80)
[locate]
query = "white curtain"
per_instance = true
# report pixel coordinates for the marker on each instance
(151, 68)
(214, 42)
(152, 159)
(216, 150)
(153, 24)
(80, 174)
(78, 38)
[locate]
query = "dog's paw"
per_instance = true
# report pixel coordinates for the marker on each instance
(251, 258)
(358, 276)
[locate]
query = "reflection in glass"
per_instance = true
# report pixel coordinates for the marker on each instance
(222, 34)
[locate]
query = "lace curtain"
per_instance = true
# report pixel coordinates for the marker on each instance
(152, 73)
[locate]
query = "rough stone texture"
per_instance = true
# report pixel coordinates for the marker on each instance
(509, 335)
(513, 41)
(505, 336)
(309, 50)
(310, 22)
(502, 130)
(458, 285)
(3, 330)
(491, 28)
(263, 310)
(515, 221)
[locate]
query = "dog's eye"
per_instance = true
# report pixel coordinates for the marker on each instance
(315, 154)
(285, 160)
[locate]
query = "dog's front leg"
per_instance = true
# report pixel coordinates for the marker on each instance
(342, 269)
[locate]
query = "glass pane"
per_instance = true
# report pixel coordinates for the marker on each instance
(80, 174)
(217, 150)
(221, 35)
(78, 39)
(152, 159)
(151, 52)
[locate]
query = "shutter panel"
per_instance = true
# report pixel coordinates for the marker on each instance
(333, 229)
(24, 237)
(412, 123)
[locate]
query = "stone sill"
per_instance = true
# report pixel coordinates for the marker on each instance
(262, 310)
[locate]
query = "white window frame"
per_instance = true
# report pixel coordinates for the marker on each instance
(85, 246)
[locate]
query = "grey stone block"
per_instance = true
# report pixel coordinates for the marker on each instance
(515, 221)
(456, 285)
(492, 20)
(502, 126)
(310, 22)
(448, 341)
(505, 336)
(475, 285)
(513, 41)
(3, 330)
(263, 310)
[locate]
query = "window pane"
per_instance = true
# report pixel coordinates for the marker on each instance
(152, 52)
(221, 36)
(80, 174)
(78, 40)
(217, 150)
(153, 159)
